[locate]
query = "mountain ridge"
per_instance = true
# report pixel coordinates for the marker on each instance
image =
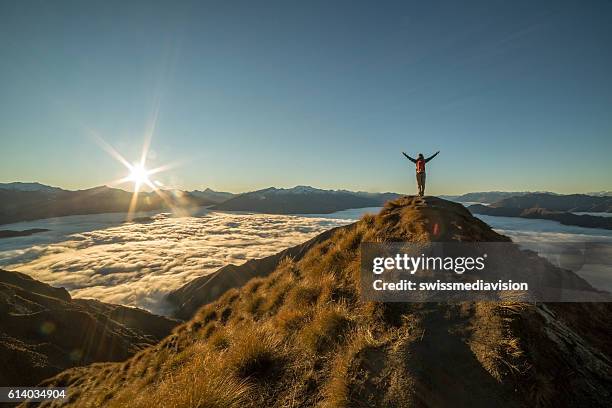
(557, 202)
(302, 200)
(299, 335)
(17, 205)
(552, 207)
(563, 217)
(214, 197)
(29, 186)
(483, 196)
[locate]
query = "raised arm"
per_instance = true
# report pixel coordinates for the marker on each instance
(409, 158)
(434, 155)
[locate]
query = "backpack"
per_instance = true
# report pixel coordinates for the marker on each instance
(420, 166)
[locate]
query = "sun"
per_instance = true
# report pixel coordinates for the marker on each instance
(139, 175)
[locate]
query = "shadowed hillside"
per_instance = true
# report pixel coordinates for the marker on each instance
(24, 205)
(563, 217)
(557, 202)
(44, 331)
(298, 335)
(302, 200)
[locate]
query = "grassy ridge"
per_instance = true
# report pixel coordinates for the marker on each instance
(301, 337)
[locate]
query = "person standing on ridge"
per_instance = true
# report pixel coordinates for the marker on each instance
(420, 170)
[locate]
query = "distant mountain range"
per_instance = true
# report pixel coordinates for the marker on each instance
(303, 200)
(557, 202)
(484, 196)
(489, 197)
(19, 204)
(29, 201)
(553, 207)
(564, 217)
(19, 186)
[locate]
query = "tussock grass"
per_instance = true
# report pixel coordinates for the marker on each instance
(275, 294)
(206, 314)
(290, 320)
(287, 266)
(229, 297)
(494, 342)
(225, 314)
(200, 384)
(219, 340)
(368, 220)
(349, 240)
(326, 329)
(337, 390)
(301, 337)
(209, 330)
(303, 295)
(255, 354)
(253, 285)
(253, 304)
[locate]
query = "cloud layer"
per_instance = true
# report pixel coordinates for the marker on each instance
(136, 264)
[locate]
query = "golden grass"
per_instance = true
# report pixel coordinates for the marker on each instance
(290, 320)
(336, 392)
(303, 295)
(301, 337)
(326, 329)
(254, 353)
(200, 384)
(219, 340)
(496, 347)
(253, 304)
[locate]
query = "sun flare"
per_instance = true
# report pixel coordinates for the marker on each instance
(139, 175)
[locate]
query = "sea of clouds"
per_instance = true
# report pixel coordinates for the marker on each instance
(137, 264)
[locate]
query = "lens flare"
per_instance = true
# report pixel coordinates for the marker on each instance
(139, 175)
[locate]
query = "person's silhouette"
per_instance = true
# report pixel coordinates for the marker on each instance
(420, 169)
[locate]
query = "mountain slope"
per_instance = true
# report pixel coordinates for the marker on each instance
(299, 336)
(302, 200)
(20, 186)
(214, 197)
(44, 331)
(205, 289)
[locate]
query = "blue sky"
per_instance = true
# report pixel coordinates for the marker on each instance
(516, 95)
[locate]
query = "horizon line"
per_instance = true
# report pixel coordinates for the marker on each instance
(299, 185)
